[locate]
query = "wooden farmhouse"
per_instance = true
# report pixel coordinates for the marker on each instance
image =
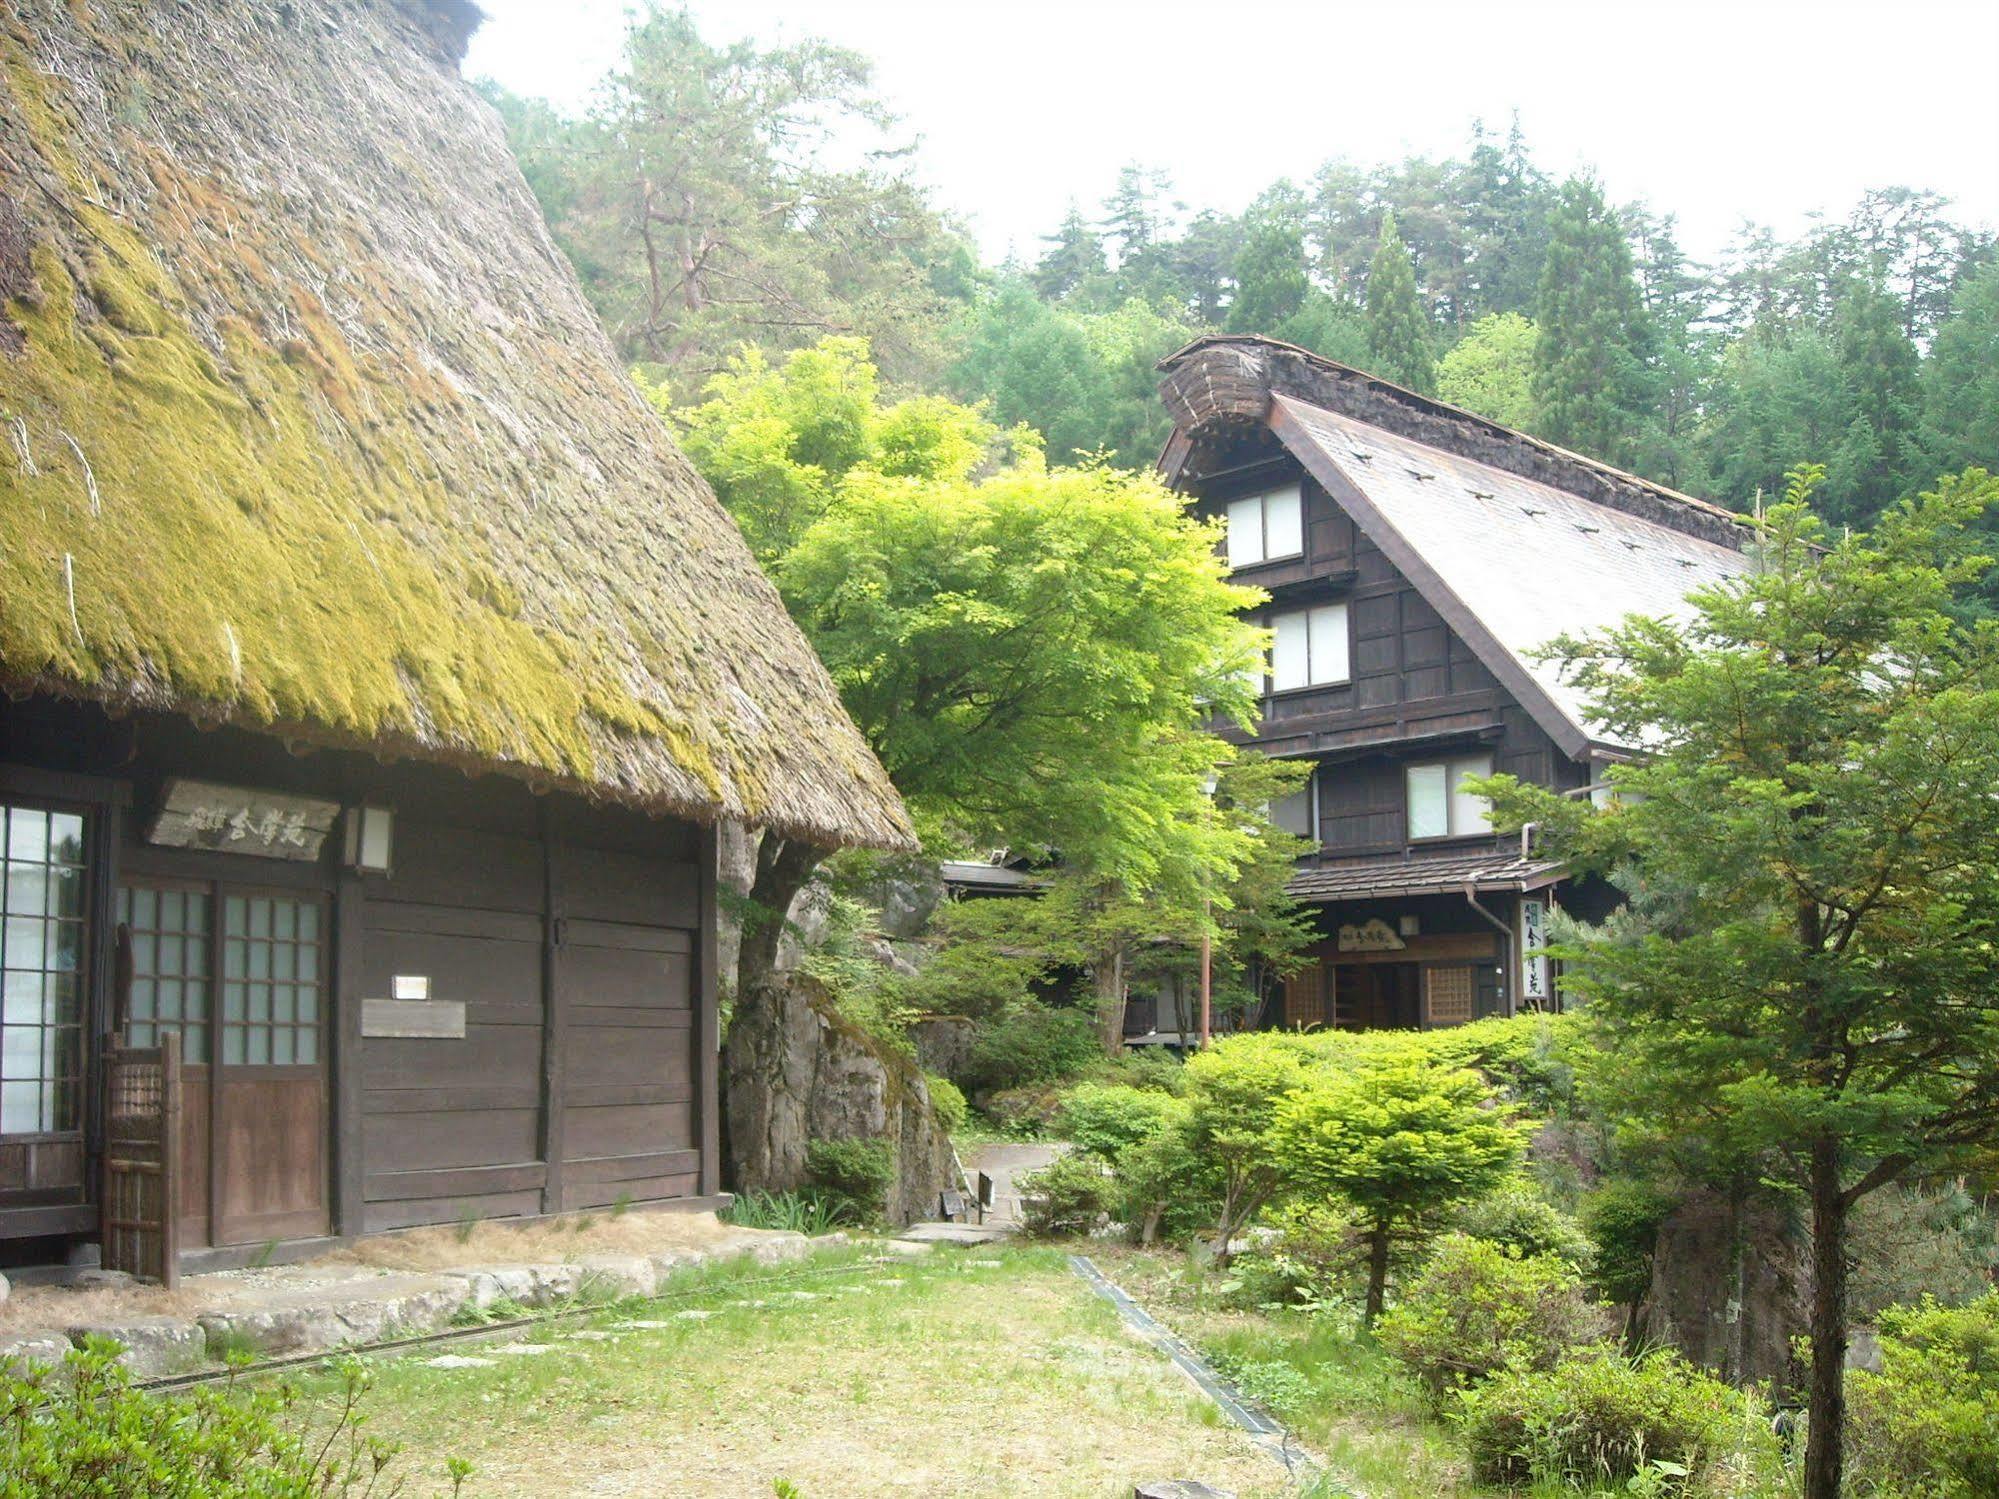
(377, 670)
(1416, 556)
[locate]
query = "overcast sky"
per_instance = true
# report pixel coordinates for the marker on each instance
(1763, 109)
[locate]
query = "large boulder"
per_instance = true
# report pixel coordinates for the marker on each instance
(1731, 1285)
(795, 1071)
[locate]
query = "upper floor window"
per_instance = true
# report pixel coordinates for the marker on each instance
(1309, 648)
(1439, 805)
(1267, 526)
(1293, 813)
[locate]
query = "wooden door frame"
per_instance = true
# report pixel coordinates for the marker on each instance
(218, 881)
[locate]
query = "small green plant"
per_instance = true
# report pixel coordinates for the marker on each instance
(854, 1175)
(264, 1253)
(791, 1212)
(1070, 1195)
(1518, 1218)
(621, 1204)
(468, 1221)
(784, 1488)
(1600, 1420)
(232, 1346)
(1477, 1308)
(1927, 1425)
(94, 1434)
(947, 1102)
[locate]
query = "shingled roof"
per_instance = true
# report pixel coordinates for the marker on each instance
(1514, 540)
(306, 425)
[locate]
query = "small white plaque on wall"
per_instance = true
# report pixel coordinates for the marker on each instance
(414, 1019)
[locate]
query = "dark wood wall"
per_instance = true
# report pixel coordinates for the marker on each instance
(1417, 691)
(579, 937)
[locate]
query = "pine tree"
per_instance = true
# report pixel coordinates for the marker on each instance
(1398, 330)
(1589, 370)
(1871, 464)
(1271, 286)
(1075, 254)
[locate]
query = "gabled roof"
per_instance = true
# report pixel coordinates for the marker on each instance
(1512, 540)
(306, 425)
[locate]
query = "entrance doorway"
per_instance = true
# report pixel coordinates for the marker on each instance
(1377, 996)
(241, 975)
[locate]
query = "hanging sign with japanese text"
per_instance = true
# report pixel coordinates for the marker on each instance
(1372, 935)
(1533, 962)
(233, 820)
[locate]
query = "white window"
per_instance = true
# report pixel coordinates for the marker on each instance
(1267, 526)
(1439, 805)
(1309, 648)
(1293, 813)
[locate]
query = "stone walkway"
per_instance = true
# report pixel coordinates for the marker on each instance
(315, 1308)
(1003, 1163)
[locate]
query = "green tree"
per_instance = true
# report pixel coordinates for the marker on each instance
(702, 208)
(1073, 260)
(1816, 810)
(1235, 1093)
(1400, 1140)
(1589, 370)
(1272, 285)
(1491, 370)
(1027, 649)
(1398, 329)
(1868, 469)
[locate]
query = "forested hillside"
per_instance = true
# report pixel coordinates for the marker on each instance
(712, 197)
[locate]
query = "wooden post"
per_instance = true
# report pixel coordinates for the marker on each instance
(350, 1165)
(707, 1032)
(1207, 984)
(553, 1021)
(169, 1179)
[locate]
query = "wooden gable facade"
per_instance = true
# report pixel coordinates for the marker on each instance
(1389, 681)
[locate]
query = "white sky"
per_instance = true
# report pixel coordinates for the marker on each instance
(1763, 109)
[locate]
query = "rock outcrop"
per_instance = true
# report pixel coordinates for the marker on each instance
(794, 1072)
(1731, 1285)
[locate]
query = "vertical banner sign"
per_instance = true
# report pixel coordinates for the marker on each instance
(1534, 992)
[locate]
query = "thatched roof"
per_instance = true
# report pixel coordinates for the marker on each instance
(305, 425)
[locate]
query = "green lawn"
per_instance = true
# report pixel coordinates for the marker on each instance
(961, 1373)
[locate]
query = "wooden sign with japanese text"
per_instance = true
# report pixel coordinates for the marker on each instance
(234, 820)
(1372, 935)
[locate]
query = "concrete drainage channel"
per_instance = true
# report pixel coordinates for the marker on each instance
(1269, 1435)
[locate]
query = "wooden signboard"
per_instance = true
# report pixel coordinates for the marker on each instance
(414, 1019)
(1372, 935)
(233, 820)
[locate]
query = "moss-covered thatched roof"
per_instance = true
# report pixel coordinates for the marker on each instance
(305, 425)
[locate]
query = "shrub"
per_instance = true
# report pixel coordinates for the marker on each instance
(1475, 1309)
(1070, 1195)
(1927, 1425)
(806, 1212)
(947, 1102)
(1399, 1141)
(1518, 1218)
(853, 1176)
(1107, 1119)
(1150, 1067)
(1234, 1092)
(1313, 1256)
(1162, 1187)
(1622, 1219)
(1028, 1042)
(100, 1437)
(1598, 1420)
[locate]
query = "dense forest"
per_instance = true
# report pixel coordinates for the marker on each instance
(711, 198)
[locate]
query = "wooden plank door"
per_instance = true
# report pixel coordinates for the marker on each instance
(166, 947)
(268, 1109)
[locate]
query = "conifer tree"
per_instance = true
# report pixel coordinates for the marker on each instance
(1589, 371)
(1075, 254)
(1398, 330)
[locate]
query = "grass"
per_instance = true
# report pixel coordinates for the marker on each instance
(981, 1373)
(1339, 1393)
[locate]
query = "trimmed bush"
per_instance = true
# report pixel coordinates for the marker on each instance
(1107, 1119)
(1594, 1421)
(1518, 1218)
(1028, 1042)
(1475, 1309)
(851, 1176)
(1927, 1425)
(1313, 1255)
(1070, 1195)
